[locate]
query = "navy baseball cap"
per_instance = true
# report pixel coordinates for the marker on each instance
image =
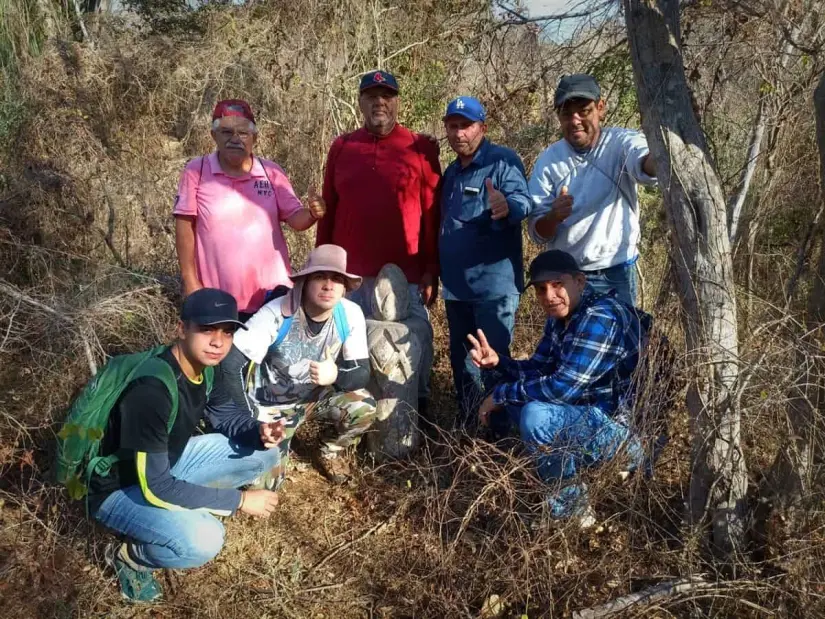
(378, 78)
(577, 86)
(550, 265)
(210, 306)
(468, 107)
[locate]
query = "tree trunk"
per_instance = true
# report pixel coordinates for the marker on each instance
(697, 216)
(789, 477)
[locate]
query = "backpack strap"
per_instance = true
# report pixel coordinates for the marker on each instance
(155, 367)
(339, 315)
(282, 331)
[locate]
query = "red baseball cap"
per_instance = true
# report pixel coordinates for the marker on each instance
(233, 107)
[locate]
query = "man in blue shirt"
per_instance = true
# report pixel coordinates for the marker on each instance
(483, 202)
(570, 399)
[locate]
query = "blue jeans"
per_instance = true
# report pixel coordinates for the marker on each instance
(185, 538)
(564, 438)
(497, 319)
(621, 278)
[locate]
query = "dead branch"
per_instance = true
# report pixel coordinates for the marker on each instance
(20, 296)
(802, 255)
(650, 595)
(519, 19)
(344, 546)
(754, 151)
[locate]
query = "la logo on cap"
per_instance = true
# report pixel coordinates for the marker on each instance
(460, 104)
(379, 78)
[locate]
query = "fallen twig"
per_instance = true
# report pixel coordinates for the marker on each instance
(23, 297)
(336, 585)
(646, 596)
(344, 546)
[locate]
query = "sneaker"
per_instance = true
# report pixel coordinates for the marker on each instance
(571, 502)
(335, 468)
(136, 586)
(640, 461)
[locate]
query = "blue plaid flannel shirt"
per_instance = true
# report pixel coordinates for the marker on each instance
(590, 361)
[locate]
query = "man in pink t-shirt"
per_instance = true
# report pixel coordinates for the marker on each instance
(228, 214)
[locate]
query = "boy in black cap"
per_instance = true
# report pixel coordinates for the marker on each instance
(584, 188)
(570, 398)
(162, 493)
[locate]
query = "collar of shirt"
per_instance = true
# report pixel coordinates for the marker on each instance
(257, 170)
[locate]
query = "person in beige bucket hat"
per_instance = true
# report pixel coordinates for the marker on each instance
(305, 356)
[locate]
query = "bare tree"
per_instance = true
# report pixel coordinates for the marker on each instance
(789, 478)
(695, 207)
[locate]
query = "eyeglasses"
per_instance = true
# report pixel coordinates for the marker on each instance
(228, 134)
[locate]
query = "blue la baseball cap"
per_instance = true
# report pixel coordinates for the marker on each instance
(468, 107)
(378, 78)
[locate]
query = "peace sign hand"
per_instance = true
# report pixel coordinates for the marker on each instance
(482, 354)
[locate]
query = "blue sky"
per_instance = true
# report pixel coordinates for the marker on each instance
(547, 7)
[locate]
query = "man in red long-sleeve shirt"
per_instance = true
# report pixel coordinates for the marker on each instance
(381, 193)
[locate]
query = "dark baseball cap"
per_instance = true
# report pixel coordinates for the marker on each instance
(577, 86)
(378, 78)
(550, 265)
(210, 306)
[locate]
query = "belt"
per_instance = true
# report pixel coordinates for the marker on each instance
(600, 271)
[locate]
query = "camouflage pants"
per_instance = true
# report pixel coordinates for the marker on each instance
(349, 415)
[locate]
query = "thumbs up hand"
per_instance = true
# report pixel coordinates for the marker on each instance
(562, 206)
(497, 201)
(315, 204)
(323, 372)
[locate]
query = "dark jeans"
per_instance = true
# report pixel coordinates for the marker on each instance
(621, 278)
(496, 318)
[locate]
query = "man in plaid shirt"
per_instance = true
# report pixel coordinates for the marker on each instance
(568, 398)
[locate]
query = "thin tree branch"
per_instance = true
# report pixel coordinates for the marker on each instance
(19, 295)
(802, 255)
(738, 201)
(647, 596)
(520, 20)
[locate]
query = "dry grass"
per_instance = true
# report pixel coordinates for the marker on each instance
(86, 248)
